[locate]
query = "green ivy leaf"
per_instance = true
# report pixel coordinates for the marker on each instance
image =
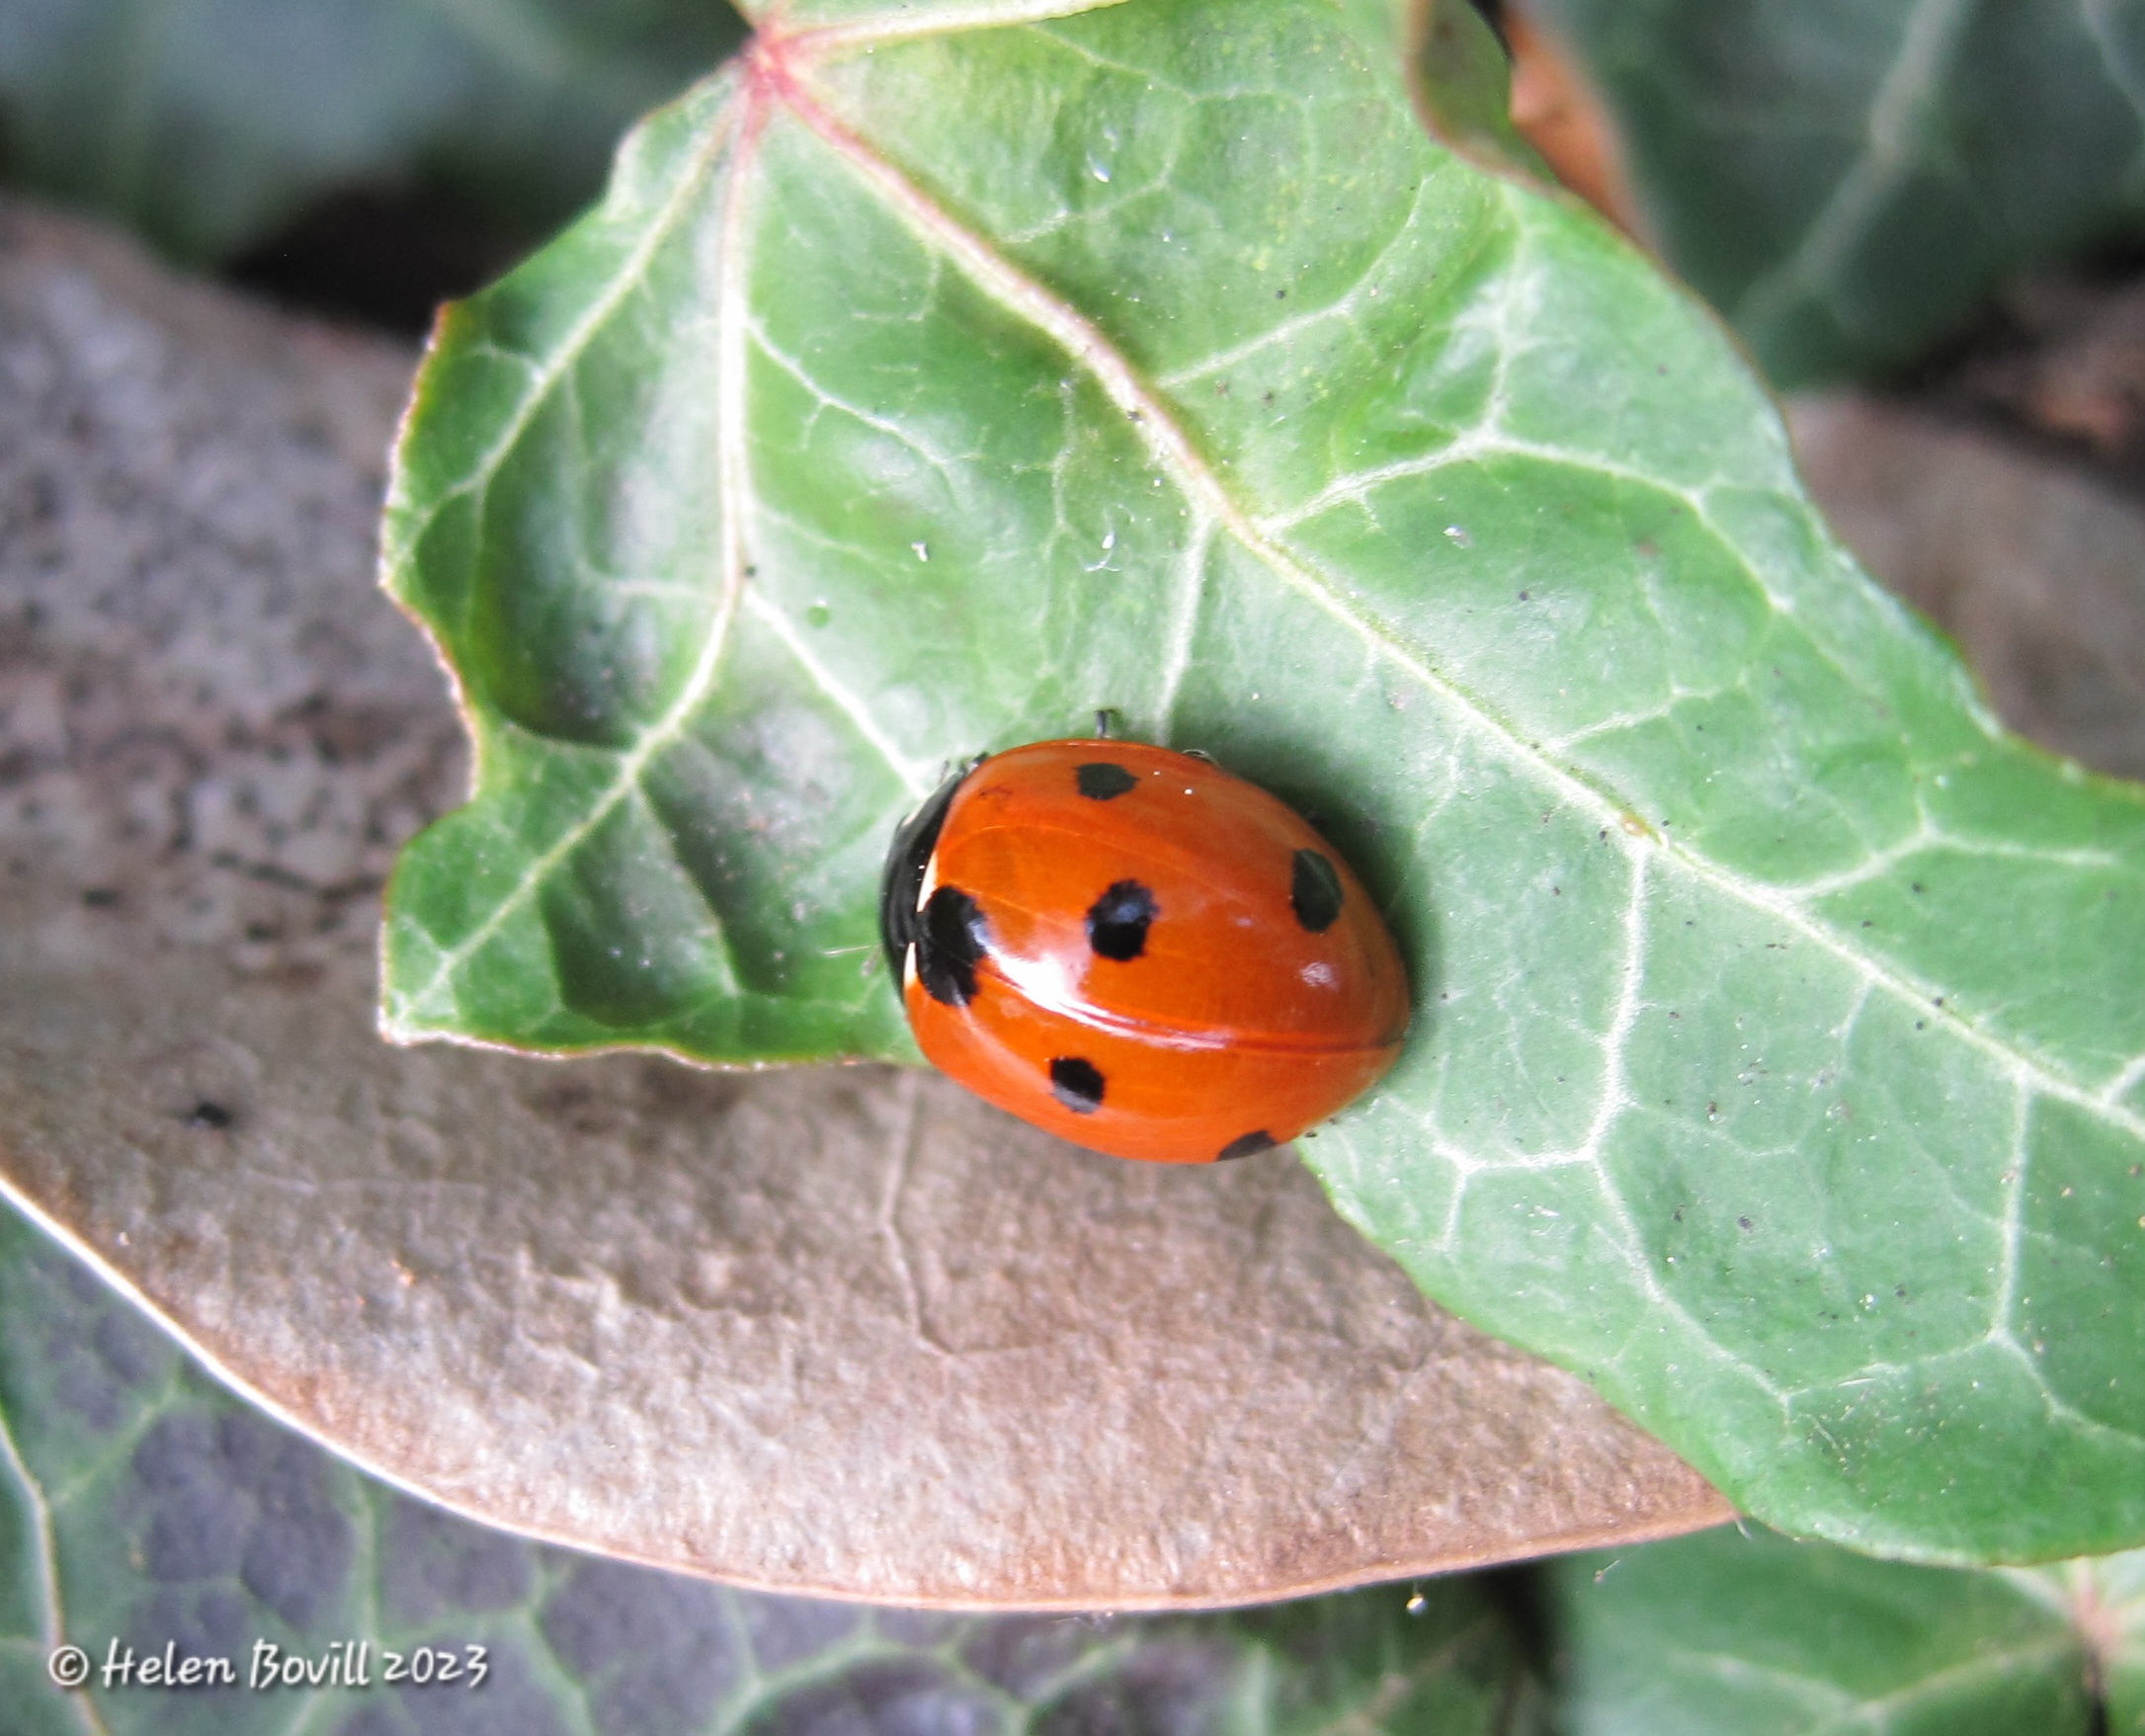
(141, 1504)
(935, 378)
(1846, 181)
(207, 124)
(1748, 1631)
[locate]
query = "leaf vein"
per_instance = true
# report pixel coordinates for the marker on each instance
(547, 374)
(913, 779)
(1879, 1712)
(1858, 199)
(1341, 307)
(1184, 624)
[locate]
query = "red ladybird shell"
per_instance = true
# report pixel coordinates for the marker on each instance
(1139, 952)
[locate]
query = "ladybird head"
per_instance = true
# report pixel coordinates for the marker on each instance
(902, 885)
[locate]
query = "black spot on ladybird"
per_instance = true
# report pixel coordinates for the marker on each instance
(1118, 921)
(1314, 891)
(1102, 780)
(1077, 1084)
(950, 942)
(1247, 1145)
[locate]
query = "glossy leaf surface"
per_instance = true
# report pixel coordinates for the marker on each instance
(937, 378)
(141, 1504)
(1745, 1631)
(1845, 179)
(207, 124)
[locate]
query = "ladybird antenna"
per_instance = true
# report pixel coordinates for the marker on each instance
(1104, 719)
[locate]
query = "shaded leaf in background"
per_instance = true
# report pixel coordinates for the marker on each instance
(1847, 179)
(1740, 1629)
(922, 386)
(2105, 1598)
(205, 125)
(140, 1502)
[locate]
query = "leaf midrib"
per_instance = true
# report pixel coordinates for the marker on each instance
(407, 534)
(820, 39)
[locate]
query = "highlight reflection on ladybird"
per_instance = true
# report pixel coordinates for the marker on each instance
(1137, 951)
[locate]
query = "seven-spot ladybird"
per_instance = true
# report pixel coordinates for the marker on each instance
(1135, 951)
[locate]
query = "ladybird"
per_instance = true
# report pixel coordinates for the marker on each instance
(1137, 951)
